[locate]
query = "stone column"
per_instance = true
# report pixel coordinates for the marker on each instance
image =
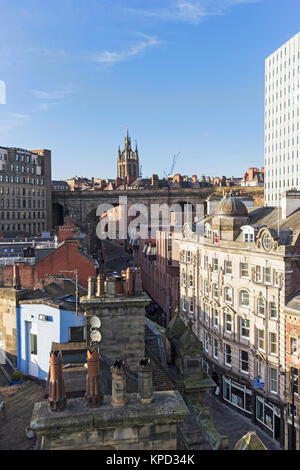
(94, 393)
(118, 384)
(57, 393)
(145, 385)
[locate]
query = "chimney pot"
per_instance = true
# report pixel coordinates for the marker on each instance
(91, 287)
(94, 393)
(145, 381)
(118, 384)
(57, 393)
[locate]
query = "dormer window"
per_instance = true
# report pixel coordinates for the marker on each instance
(248, 234)
(207, 231)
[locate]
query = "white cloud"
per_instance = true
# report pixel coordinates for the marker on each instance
(108, 58)
(13, 120)
(189, 11)
(51, 98)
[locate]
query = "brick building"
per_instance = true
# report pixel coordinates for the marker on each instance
(68, 256)
(159, 262)
(292, 335)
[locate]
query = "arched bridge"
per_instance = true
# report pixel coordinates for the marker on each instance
(82, 205)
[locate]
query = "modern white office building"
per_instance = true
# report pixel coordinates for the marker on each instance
(282, 146)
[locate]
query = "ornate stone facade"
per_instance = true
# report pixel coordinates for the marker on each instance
(234, 286)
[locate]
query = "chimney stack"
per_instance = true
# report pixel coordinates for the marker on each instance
(111, 286)
(57, 393)
(118, 384)
(138, 286)
(93, 394)
(100, 286)
(129, 282)
(91, 287)
(16, 279)
(145, 383)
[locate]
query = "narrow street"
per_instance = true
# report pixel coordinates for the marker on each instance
(234, 425)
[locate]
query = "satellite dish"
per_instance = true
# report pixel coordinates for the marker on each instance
(96, 336)
(95, 322)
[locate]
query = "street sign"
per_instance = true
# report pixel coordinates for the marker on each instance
(258, 383)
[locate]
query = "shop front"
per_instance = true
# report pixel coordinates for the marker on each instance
(269, 416)
(238, 395)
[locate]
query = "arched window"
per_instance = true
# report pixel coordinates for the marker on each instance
(261, 306)
(244, 298)
(228, 295)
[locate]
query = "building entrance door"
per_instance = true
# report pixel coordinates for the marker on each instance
(31, 349)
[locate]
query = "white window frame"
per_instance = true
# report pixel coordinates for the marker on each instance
(245, 328)
(294, 351)
(205, 341)
(261, 303)
(243, 361)
(271, 380)
(258, 278)
(273, 343)
(243, 276)
(259, 340)
(226, 266)
(215, 317)
(227, 354)
(271, 305)
(215, 290)
(261, 371)
(228, 323)
(241, 297)
(269, 283)
(226, 290)
(215, 348)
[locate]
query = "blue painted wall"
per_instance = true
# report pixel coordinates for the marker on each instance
(55, 329)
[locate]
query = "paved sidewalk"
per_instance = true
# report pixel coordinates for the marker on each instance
(234, 425)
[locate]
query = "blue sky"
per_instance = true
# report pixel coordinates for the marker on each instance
(184, 75)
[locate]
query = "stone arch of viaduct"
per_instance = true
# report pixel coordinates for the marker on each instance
(82, 206)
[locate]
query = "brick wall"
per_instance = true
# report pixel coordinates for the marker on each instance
(65, 257)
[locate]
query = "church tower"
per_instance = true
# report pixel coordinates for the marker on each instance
(128, 162)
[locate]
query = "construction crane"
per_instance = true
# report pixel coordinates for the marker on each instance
(175, 158)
